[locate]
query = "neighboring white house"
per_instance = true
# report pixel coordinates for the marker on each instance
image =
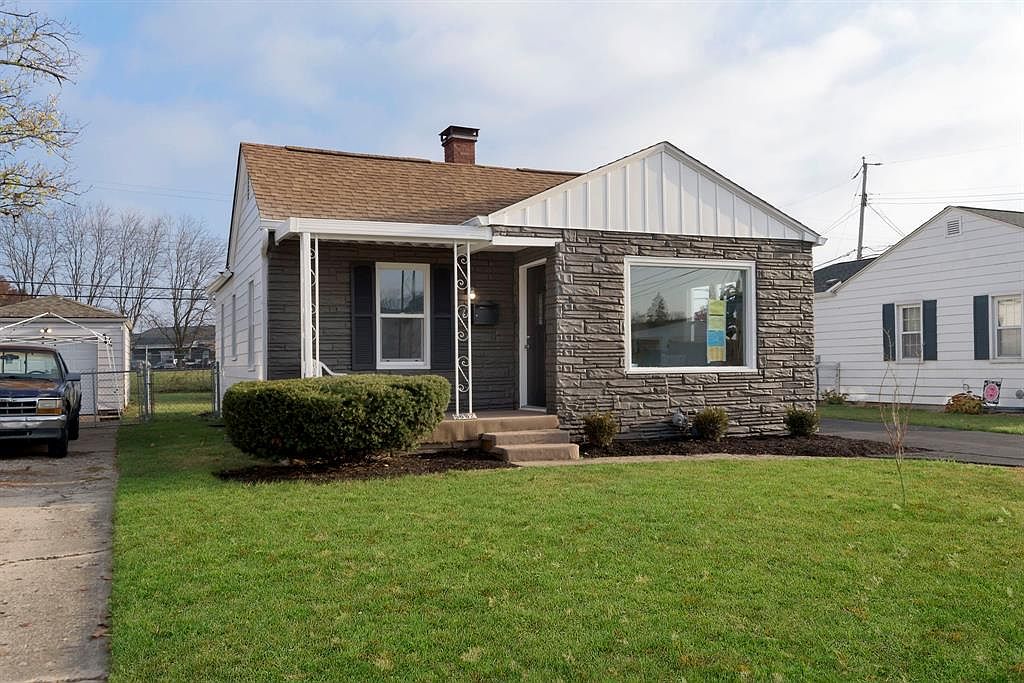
(93, 341)
(943, 305)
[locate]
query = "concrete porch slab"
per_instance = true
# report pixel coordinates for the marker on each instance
(489, 422)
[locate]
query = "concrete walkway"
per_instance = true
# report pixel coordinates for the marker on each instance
(55, 559)
(982, 448)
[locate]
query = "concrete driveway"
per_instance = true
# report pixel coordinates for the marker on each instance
(55, 541)
(982, 448)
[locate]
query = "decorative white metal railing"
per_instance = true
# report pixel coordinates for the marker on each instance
(463, 286)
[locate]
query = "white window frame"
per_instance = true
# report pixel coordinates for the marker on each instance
(251, 327)
(749, 313)
(234, 327)
(994, 325)
(383, 364)
(919, 305)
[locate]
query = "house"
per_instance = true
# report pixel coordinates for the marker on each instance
(646, 286)
(830, 276)
(941, 309)
(93, 341)
(157, 346)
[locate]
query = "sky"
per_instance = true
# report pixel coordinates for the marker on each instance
(783, 98)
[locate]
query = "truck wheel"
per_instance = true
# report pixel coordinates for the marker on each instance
(58, 448)
(73, 427)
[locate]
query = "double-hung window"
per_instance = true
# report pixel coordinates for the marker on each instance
(689, 315)
(403, 315)
(1009, 326)
(910, 340)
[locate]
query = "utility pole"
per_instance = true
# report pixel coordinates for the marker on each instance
(863, 172)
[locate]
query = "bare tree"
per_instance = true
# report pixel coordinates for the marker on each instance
(192, 260)
(28, 252)
(88, 252)
(139, 263)
(895, 407)
(36, 59)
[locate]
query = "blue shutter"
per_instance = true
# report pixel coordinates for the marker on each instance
(364, 339)
(889, 331)
(981, 333)
(442, 330)
(930, 340)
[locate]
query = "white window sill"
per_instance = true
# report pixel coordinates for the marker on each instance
(731, 369)
(399, 365)
(1007, 359)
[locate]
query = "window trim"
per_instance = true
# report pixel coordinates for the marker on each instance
(919, 305)
(234, 327)
(993, 302)
(749, 314)
(251, 327)
(382, 363)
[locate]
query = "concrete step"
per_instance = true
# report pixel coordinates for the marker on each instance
(523, 437)
(537, 451)
(453, 431)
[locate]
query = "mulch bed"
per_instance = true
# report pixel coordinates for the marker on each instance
(817, 445)
(373, 468)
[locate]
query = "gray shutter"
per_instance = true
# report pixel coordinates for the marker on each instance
(929, 350)
(889, 331)
(442, 331)
(981, 327)
(364, 342)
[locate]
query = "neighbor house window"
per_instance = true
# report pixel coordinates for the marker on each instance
(402, 315)
(223, 331)
(689, 315)
(251, 330)
(234, 327)
(1009, 326)
(910, 332)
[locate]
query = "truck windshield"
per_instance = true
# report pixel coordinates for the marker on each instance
(28, 365)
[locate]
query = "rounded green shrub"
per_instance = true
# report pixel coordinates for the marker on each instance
(346, 417)
(711, 424)
(600, 429)
(801, 422)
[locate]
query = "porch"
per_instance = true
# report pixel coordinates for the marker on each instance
(412, 299)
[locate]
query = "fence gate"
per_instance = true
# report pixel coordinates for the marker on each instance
(113, 397)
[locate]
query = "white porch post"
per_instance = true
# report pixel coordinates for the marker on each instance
(463, 288)
(309, 304)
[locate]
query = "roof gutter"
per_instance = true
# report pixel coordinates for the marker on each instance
(218, 282)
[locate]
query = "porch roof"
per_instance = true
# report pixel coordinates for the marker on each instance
(480, 236)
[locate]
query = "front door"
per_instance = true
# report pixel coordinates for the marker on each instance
(535, 338)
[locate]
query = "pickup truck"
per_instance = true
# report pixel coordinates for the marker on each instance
(39, 398)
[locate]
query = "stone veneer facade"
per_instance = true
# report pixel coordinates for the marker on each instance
(587, 346)
(585, 307)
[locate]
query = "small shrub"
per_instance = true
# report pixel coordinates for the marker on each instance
(965, 403)
(334, 418)
(600, 429)
(801, 422)
(711, 424)
(834, 398)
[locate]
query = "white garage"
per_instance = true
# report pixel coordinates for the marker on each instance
(92, 341)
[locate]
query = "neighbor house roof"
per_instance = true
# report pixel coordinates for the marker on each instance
(829, 276)
(1011, 217)
(58, 305)
(315, 183)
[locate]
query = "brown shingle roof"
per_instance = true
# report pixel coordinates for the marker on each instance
(66, 308)
(314, 183)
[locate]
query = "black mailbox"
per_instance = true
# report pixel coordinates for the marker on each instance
(485, 313)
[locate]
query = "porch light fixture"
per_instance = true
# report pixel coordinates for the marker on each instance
(472, 295)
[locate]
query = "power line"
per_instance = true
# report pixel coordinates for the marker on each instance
(93, 285)
(946, 200)
(161, 194)
(878, 212)
(162, 188)
(956, 154)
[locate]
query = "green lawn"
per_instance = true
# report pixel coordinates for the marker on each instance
(1004, 423)
(773, 569)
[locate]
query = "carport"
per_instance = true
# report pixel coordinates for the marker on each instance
(93, 342)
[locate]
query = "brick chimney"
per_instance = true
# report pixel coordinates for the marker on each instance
(459, 144)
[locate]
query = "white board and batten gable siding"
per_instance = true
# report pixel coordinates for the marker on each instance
(659, 190)
(935, 262)
(247, 264)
